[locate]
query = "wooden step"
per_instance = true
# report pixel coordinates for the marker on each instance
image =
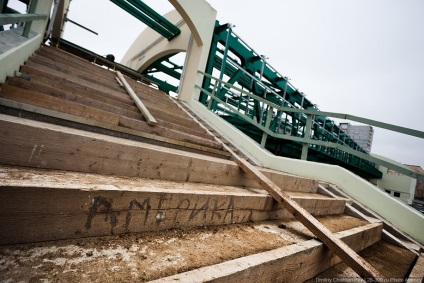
(56, 104)
(27, 111)
(79, 72)
(417, 272)
(41, 70)
(63, 57)
(87, 99)
(58, 53)
(391, 261)
(230, 253)
(36, 144)
(293, 263)
(82, 201)
(167, 112)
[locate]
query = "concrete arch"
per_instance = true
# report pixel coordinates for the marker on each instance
(150, 46)
(196, 20)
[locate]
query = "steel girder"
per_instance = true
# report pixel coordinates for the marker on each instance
(149, 16)
(243, 67)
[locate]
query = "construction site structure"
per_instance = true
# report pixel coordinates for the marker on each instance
(362, 135)
(106, 177)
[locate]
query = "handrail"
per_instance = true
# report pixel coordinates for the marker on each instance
(343, 116)
(309, 113)
(6, 19)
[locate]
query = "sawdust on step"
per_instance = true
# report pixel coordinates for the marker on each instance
(134, 257)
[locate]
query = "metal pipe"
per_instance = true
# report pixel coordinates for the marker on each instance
(81, 26)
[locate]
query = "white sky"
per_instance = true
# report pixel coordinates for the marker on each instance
(360, 57)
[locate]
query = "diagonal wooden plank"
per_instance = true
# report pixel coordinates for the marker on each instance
(149, 117)
(343, 251)
(338, 247)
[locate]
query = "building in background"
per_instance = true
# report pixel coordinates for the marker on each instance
(362, 135)
(395, 184)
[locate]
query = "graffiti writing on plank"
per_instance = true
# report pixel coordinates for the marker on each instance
(209, 211)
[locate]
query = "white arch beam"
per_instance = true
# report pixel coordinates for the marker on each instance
(195, 38)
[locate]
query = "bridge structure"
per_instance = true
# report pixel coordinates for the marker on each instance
(229, 99)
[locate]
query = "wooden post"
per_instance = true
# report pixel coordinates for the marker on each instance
(149, 117)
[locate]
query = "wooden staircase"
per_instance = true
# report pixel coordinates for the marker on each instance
(91, 192)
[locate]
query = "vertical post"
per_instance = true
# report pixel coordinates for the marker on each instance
(285, 89)
(31, 10)
(2, 2)
(267, 123)
(307, 135)
(211, 99)
(224, 58)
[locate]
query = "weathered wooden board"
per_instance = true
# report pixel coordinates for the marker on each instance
(35, 144)
(152, 138)
(417, 273)
(68, 107)
(140, 105)
(294, 263)
(80, 73)
(75, 82)
(42, 214)
(70, 60)
(55, 92)
(54, 89)
(41, 205)
(352, 259)
(315, 206)
(77, 61)
(77, 79)
(71, 88)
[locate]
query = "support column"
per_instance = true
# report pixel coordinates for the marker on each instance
(307, 135)
(200, 17)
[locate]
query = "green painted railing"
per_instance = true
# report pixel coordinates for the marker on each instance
(239, 102)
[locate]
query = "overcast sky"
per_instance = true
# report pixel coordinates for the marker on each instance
(360, 57)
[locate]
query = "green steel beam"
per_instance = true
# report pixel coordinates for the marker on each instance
(155, 16)
(145, 19)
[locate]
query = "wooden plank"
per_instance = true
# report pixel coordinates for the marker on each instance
(57, 83)
(72, 88)
(53, 103)
(91, 77)
(33, 68)
(293, 263)
(168, 132)
(117, 128)
(342, 250)
(70, 59)
(107, 118)
(58, 53)
(77, 79)
(55, 92)
(150, 119)
(417, 273)
(35, 144)
(86, 67)
(72, 210)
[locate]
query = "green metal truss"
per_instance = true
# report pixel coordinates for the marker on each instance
(232, 58)
(149, 16)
